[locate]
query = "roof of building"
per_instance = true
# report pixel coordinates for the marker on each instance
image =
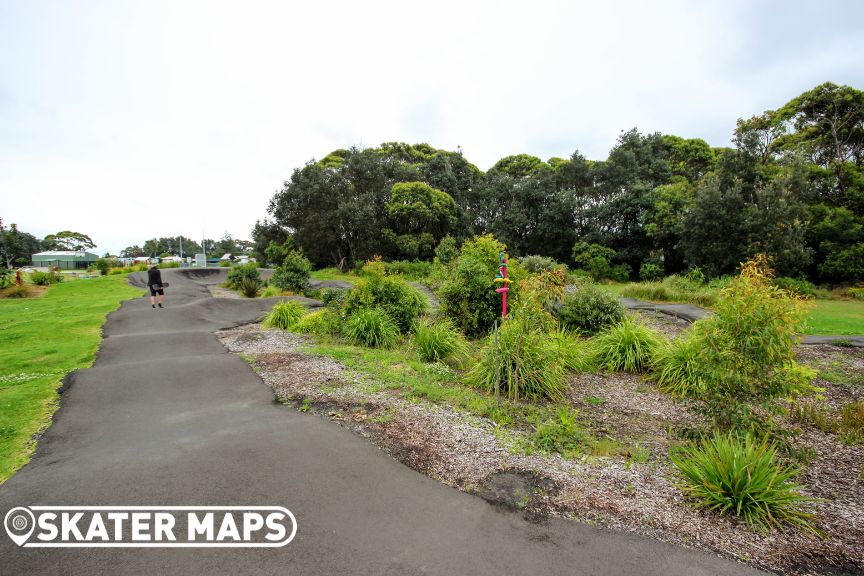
(73, 253)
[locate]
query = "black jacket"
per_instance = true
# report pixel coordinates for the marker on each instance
(154, 276)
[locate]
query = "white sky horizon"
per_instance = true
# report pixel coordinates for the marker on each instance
(132, 120)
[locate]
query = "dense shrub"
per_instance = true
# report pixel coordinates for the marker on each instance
(468, 295)
(797, 286)
(7, 277)
(392, 294)
(855, 293)
(284, 314)
(326, 322)
(333, 297)
(45, 278)
(628, 346)
(238, 273)
(535, 264)
(447, 250)
(523, 364)
(164, 265)
(747, 359)
(695, 275)
(224, 263)
(675, 366)
(437, 341)
(740, 475)
(590, 309)
(619, 273)
(574, 354)
(593, 258)
(103, 265)
(372, 327)
(650, 271)
(293, 274)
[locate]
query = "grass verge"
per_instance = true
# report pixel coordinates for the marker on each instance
(836, 318)
(41, 340)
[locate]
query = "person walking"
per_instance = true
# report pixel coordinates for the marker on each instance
(154, 281)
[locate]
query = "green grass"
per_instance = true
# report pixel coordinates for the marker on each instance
(836, 317)
(326, 274)
(42, 339)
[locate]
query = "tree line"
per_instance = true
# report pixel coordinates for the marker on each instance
(791, 187)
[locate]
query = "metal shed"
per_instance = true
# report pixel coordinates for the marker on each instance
(64, 259)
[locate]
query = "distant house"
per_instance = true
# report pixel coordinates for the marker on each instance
(64, 259)
(171, 259)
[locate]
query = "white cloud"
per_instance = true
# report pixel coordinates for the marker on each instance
(139, 119)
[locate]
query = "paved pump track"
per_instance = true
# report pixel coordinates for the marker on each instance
(167, 416)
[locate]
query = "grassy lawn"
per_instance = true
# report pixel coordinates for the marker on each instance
(837, 317)
(326, 274)
(42, 339)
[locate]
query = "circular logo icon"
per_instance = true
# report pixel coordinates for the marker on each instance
(19, 523)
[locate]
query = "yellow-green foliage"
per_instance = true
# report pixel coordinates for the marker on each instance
(676, 366)
(324, 322)
(284, 314)
(747, 355)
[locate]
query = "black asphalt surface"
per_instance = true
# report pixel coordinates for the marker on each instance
(167, 417)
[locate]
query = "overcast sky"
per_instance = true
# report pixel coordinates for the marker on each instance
(129, 120)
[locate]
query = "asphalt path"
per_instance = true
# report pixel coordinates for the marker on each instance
(167, 417)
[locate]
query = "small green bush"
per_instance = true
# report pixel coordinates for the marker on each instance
(270, 290)
(561, 434)
(740, 475)
(797, 286)
(249, 287)
(293, 274)
(590, 309)
(695, 275)
(103, 265)
(523, 365)
(675, 367)
(284, 314)
(629, 346)
(855, 293)
(468, 294)
(650, 271)
(748, 361)
(224, 263)
(7, 277)
(438, 341)
(325, 322)
(392, 294)
(447, 250)
(238, 273)
(372, 327)
(45, 278)
(536, 264)
(333, 297)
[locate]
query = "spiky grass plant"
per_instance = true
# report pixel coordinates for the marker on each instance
(249, 287)
(522, 365)
(740, 475)
(628, 346)
(284, 314)
(439, 341)
(574, 354)
(676, 366)
(372, 327)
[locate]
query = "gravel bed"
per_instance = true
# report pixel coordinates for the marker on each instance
(639, 496)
